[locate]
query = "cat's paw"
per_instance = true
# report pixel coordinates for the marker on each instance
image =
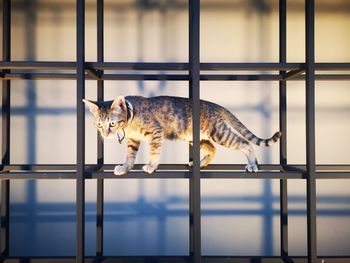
(252, 168)
(190, 163)
(120, 170)
(149, 168)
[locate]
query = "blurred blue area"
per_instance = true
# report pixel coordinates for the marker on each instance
(150, 227)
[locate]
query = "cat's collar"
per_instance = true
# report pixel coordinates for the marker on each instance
(129, 117)
(129, 112)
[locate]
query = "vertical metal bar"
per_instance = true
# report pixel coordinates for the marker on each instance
(80, 201)
(5, 140)
(194, 73)
(100, 148)
(5, 217)
(310, 130)
(283, 127)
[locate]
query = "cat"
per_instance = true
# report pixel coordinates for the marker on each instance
(159, 118)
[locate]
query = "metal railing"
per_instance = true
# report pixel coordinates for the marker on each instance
(81, 70)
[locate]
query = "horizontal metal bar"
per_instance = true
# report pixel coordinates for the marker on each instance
(172, 66)
(178, 259)
(332, 66)
(257, 175)
(173, 167)
(138, 174)
(176, 174)
(241, 77)
(42, 76)
(38, 65)
(72, 76)
(184, 66)
(254, 66)
(30, 175)
(181, 77)
(328, 77)
(138, 66)
(332, 175)
(170, 77)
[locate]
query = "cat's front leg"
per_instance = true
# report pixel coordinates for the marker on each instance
(155, 144)
(133, 147)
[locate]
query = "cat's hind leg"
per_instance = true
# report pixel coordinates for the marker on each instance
(208, 150)
(224, 136)
(248, 150)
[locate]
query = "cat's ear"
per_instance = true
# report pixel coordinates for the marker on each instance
(92, 106)
(118, 102)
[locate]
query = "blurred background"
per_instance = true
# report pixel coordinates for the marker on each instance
(150, 217)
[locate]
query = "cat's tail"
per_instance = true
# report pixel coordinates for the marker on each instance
(263, 142)
(248, 135)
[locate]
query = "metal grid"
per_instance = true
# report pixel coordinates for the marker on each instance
(82, 70)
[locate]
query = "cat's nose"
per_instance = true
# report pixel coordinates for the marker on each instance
(105, 133)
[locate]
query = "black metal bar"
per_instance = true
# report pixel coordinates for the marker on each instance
(5, 217)
(251, 66)
(30, 175)
(203, 66)
(32, 76)
(283, 127)
(241, 77)
(333, 77)
(38, 65)
(292, 74)
(138, 66)
(100, 146)
(194, 83)
(332, 66)
(171, 77)
(5, 120)
(310, 131)
(176, 174)
(95, 74)
(80, 186)
(172, 167)
(179, 66)
(204, 175)
(180, 77)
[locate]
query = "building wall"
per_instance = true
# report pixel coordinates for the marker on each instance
(147, 217)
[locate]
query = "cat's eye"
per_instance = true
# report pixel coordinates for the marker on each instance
(113, 124)
(99, 125)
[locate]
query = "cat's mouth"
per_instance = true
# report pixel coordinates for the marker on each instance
(120, 134)
(107, 136)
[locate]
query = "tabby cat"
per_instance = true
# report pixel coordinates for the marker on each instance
(158, 118)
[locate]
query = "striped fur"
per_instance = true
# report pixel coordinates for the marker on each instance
(247, 134)
(170, 118)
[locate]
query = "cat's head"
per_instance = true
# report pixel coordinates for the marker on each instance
(109, 116)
